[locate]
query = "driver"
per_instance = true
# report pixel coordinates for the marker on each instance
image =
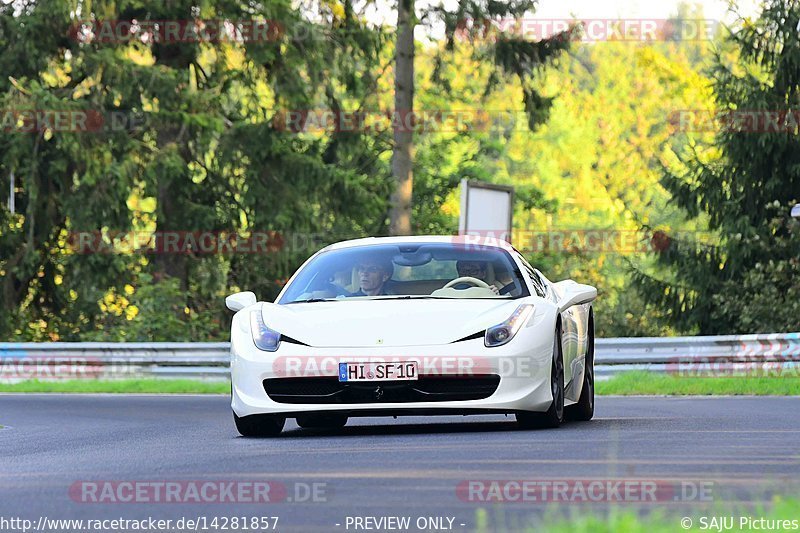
(372, 277)
(475, 269)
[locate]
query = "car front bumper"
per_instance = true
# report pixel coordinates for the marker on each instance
(523, 366)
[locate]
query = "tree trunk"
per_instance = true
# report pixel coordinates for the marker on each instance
(400, 215)
(170, 263)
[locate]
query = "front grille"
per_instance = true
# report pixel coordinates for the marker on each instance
(425, 389)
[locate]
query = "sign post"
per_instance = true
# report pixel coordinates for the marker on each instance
(486, 210)
(11, 187)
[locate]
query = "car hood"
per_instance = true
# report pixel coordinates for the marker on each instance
(369, 323)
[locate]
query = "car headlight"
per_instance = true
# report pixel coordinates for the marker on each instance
(264, 338)
(502, 333)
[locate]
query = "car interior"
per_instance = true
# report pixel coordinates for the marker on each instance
(346, 282)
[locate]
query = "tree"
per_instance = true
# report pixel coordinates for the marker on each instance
(592, 169)
(209, 155)
(509, 51)
(400, 216)
(745, 183)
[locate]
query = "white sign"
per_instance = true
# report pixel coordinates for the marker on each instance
(796, 211)
(486, 209)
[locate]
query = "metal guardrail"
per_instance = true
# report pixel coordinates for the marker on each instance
(717, 355)
(770, 354)
(111, 360)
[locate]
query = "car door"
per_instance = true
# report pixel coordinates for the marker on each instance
(544, 289)
(571, 334)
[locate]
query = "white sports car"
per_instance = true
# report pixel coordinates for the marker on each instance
(413, 326)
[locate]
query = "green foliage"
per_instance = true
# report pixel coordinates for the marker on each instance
(482, 24)
(772, 297)
(744, 183)
(202, 147)
(594, 165)
(156, 310)
(585, 142)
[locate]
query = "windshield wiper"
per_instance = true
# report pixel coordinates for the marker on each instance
(416, 297)
(312, 300)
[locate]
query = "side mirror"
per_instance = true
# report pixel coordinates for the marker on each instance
(575, 294)
(240, 300)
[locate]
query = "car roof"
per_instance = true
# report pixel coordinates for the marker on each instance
(469, 240)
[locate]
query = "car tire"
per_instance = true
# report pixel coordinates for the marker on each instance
(554, 416)
(259, 425)
(322, 421)
(584, 409)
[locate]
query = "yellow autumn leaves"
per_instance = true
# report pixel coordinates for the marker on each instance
(119, 304)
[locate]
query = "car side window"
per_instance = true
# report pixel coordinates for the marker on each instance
(547, 286)
(541, 290)
(538, 286)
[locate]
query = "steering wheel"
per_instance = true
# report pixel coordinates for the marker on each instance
(475, 282)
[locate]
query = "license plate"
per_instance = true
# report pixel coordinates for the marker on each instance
(405, 371)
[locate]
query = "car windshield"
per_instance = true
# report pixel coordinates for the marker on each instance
(408, 270)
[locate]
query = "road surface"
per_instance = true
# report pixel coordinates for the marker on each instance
(87, 456)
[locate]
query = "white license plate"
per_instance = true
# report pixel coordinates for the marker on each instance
(403, 371)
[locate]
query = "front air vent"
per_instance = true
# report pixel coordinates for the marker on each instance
(329, 390)
(479, 335)
(293, 341)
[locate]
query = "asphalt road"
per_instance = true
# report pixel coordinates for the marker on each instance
(718, 451)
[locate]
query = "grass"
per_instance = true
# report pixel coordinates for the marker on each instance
(647, 383)
(121, 386)
(639, 383)
(658, 520)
